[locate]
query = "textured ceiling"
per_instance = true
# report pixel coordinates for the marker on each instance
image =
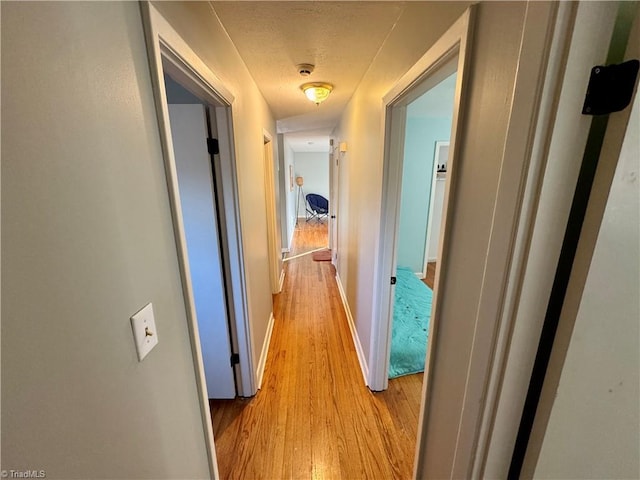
(340, 38)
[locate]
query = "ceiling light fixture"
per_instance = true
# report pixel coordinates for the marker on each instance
(317, 92)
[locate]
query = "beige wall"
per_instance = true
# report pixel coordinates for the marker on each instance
(198, 25)
(88, 240)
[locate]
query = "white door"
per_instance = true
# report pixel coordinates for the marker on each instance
(195, 181)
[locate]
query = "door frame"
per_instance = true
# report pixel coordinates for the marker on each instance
(602, 34)
(432, 197)
(334, 196)
(167, 49)
(450, 53)
(276, 272)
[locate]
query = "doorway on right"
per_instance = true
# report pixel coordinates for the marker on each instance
(427, 133)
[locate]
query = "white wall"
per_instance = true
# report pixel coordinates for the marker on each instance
(594, 427)
(199, 26)
(88, 240)
(314, 169)
(421, 136)
(286, 192)
(291, 194)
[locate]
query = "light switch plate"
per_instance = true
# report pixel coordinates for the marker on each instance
(144, 331)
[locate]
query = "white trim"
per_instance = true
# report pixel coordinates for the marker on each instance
(281, 282)
(246, 382)
(334, 203)
(447, 55)
(581, 39)
(521, 250)
(521, 128)
(293, 232)
(450, 53)
(354, 332)
(262, 363)
(432, 197)
(270, 176)
(155, 24)
(163, 31)
(167, 49)
(385, 268)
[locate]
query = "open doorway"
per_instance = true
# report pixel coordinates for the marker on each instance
(309, 177)
(210, 111)
(194, 139)
(424, 175)
(420, 148)
(446, 58)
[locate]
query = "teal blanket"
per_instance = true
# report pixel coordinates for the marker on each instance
(411, 314)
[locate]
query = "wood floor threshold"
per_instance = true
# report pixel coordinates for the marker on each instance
(303, 254)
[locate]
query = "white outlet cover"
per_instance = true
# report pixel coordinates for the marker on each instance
(144, 331)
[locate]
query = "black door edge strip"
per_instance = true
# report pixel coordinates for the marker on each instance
(595, 139)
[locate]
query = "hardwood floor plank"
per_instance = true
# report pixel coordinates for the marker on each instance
(314, 417)
(429, 279)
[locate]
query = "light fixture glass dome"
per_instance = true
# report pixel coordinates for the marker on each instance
(317, 92)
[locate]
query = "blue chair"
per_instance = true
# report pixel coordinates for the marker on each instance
(318, 207)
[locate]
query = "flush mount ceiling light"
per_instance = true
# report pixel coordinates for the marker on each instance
(317, 92)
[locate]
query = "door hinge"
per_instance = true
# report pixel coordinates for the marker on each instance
(333, 216)
(235, 359)
(393, 280)
(212, 146)
(610, 88)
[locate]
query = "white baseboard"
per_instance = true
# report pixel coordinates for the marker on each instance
(281, 283)
(354, 333)
(265, 351)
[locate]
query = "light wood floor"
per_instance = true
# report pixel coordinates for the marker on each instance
(431, 275)
(314, 417)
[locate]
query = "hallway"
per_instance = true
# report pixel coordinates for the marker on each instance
(314, 417)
